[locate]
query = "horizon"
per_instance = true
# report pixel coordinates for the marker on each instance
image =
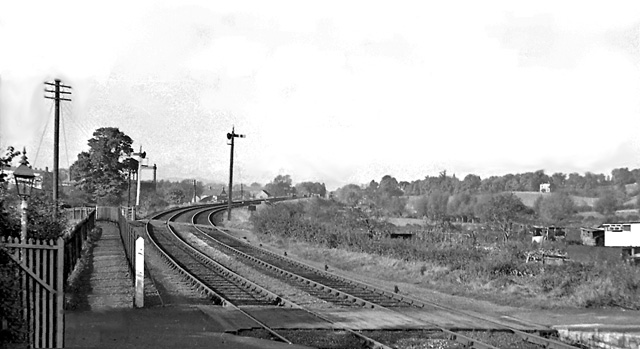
(330, 93)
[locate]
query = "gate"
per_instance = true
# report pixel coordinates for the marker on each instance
(42, 283)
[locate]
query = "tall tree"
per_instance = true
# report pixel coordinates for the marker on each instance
(280, 186)
(101, 171)
(608, 203)
(389, 187)
(350, 194)
(555, 208)
(502, 210)
(309, 188)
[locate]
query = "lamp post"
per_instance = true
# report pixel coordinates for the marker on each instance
(24, 177)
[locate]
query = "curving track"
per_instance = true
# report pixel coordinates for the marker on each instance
(329, 287)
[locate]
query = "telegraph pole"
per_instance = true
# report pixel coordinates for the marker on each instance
(231, 136)
(56, 132)
(194, 191)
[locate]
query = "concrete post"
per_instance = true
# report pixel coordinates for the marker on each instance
(139, 298)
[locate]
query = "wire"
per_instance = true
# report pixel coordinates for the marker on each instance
(66, 146)
(43, 132)
(77, 123)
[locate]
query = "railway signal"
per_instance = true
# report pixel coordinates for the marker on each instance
(231, 136)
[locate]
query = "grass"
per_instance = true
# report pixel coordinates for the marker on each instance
(487, 269)
(529, 198)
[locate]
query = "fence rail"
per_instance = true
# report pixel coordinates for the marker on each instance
(74, 242)
(78, 213)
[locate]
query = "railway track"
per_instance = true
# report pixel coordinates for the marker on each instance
(326, 292)
(367, 295)
(223, 286)
(330, 287)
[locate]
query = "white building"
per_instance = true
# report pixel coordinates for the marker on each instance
(263, 194)
(621, 234)
(545, 187)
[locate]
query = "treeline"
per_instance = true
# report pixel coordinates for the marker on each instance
(589, 184)
(447, 197)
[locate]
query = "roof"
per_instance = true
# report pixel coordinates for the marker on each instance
(590, 229)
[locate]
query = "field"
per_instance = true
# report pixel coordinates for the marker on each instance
(594, 254)
(529, 198)
(476, 265)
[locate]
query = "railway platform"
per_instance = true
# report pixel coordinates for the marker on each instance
(104, 317)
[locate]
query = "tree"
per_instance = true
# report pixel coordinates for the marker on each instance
(436, 203)
(555, 208)
(470, 184)
(280, 186)
(311, 188)
(350, 194)
(389, 187)
(558, 180)
(502, 210)
(175, 195)
(622, 176)
(101, 171)
(608, 203)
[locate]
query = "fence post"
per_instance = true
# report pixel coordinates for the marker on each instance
(139, 300)
(60, 294)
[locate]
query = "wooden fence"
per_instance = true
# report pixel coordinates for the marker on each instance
(44, 267)
(78, 213)
(42, 283)
(74, 242)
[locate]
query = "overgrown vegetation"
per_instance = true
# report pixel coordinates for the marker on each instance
(42, 224)
(465, 261)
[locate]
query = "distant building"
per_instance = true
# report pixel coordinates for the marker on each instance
(621, 234)
(222, 197)
(545, 187)
(592, 236)
(37, 183)
(538, 233)
(263, 194)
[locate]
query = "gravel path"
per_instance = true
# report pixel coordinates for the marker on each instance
(106, 283)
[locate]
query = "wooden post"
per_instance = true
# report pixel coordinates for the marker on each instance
(139, 300)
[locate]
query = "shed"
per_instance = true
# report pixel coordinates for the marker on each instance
(621, 234)
(592, 236)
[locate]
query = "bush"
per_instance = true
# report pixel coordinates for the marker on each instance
(461, 261)
(10, 306)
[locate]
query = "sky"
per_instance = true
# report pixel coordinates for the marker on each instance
(336, 92)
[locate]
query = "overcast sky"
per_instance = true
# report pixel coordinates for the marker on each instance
(337, 92)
